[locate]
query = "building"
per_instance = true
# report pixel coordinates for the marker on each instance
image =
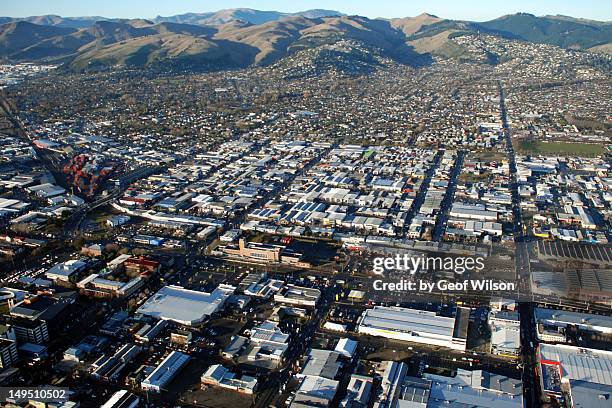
(109, 367)
(298, 295)
(122, 399)
(30, 331)
(320, 363)
(466, 389)
(391, 381)
(165, 372)
(138, 266)
(219, 376)
(358, 392)
(95, 286)
(184, 306)
(552, 323)
(270, 342)
(147, 332)
(315, 392)
(505, 333)
(265, 253)
(66, 271)
(8, 353)
(416, 326)
(117, 220)
(346, 347)
(181, 338)
(560, 365)
(585, 394)
(414, 393)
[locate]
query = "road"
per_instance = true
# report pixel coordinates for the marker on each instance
(449, 196)
(298, 346)
(522, 267)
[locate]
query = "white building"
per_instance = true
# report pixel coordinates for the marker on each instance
(185, 306)
(165, 372)
(416, 326)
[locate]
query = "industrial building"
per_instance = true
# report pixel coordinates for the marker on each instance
(560, 365)
(220, 376)
(298, 295)
(416, 326)
(185, 306)
(122, 399)
(391, 382)
(466, 389)
(358, 392)
(165, 372)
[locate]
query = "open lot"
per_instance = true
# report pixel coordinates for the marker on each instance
(571, 149)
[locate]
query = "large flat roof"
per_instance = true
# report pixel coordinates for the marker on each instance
(578, 363)
(185, 306)
(597, 322)
(167, 369)
(405, 320)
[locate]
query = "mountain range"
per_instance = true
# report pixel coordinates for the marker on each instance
(236, 38)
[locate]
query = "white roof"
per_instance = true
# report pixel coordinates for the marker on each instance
(346, 347)
(185, 306)
(404, 320)
(166, 370)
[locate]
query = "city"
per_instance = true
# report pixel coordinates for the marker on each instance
(345, 221)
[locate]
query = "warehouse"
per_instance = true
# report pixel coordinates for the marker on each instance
(165, 372)
(472, 212)
(561, 366)
(414, 325)
(185, 306)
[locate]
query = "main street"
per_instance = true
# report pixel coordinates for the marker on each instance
(521, 258)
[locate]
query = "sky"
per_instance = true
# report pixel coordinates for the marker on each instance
(475, 10)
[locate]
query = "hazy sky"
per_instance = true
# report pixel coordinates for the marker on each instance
(478, 10)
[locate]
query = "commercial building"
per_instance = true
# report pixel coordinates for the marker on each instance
(320, 363)
(65, 271)
(30, 331)
(220, 376)
(298, 295)
(8, 353)
(165, 372)
(552, 323)
(346, 347)
(466, 389)
(185, 306)
(94, 285)
(315, 392)
(269, 342)
(122, 399)
(358, 392)
(109, 367)
(416, 326)
(560, 365)
(391, 382)
(147, 332)
(505, 329)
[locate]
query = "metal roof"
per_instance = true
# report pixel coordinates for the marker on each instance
(580, 363)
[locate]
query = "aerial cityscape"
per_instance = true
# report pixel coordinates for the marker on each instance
(305, 209)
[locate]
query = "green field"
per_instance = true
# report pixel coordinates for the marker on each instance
(561, 148)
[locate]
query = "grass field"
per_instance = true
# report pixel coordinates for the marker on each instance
(561, 148)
